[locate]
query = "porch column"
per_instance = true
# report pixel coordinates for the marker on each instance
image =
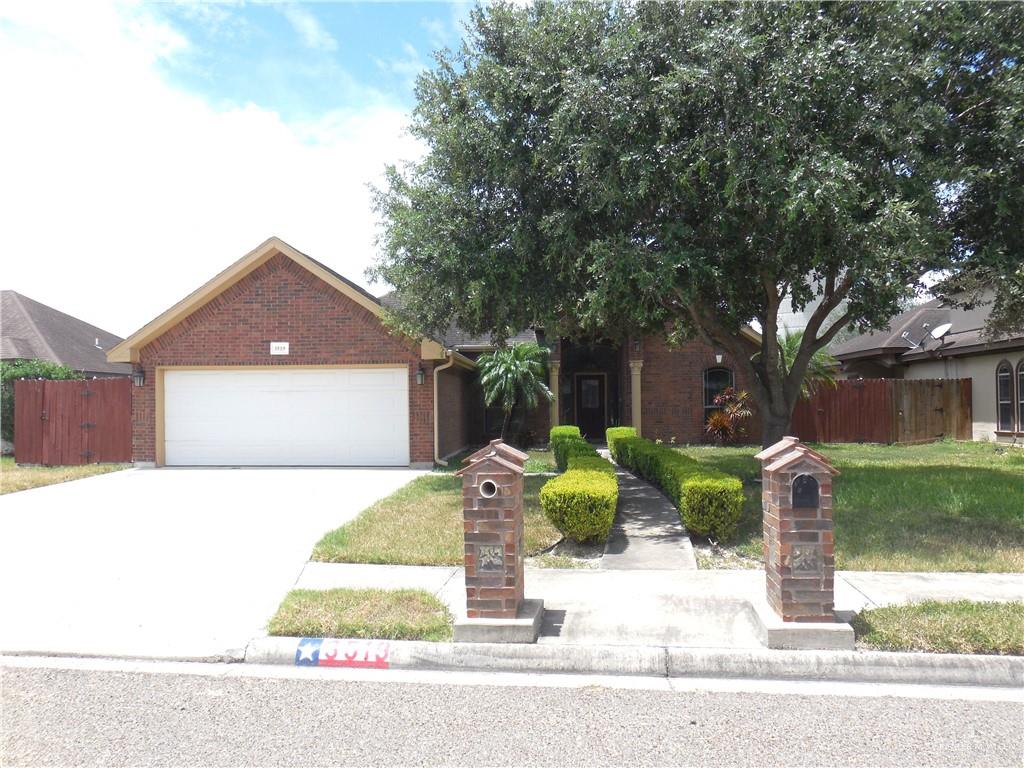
(636, 400)
(553, 367)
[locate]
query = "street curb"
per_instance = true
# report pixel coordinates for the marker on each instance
(650, 661)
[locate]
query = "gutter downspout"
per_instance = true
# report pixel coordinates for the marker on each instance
(437, 438)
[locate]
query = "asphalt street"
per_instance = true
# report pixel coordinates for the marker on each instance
(134, 714)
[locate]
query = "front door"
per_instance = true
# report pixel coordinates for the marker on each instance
(590, 405)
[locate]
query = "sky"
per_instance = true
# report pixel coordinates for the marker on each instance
(144, 147)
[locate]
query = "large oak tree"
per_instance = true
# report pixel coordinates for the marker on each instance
(619, 168)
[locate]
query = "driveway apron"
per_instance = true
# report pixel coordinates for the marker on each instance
(168, 563)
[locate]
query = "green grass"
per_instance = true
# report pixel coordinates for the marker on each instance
(400, 614)
(943, 506)
(14, 478)
(958, 627)
(541, 461)
(421, 524)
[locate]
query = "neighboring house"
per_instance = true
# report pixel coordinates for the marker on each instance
(908, 349)
(279, 360)
(33, 331)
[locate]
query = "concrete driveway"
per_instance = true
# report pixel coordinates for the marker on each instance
(174, 563)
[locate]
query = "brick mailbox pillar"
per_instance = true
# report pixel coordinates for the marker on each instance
(492, 514)
(799, 553)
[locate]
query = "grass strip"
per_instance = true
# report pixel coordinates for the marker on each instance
(378, 614)
(963, 626)
(14, 478)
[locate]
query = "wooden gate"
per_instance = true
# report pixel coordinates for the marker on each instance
(886, 411)
(72, 422)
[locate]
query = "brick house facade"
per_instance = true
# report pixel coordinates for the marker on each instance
(276, 292)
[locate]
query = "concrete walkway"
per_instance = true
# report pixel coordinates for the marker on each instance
(647, 534)
(696, 609)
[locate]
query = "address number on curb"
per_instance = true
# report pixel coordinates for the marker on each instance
(317, 652)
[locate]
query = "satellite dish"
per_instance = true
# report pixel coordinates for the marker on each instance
(941, 330)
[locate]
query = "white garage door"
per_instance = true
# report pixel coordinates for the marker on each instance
(293, 416)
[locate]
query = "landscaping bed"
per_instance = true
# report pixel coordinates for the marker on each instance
(14, 478)
(421, 524)
(946, 506)
(936, 627)
(378, 614)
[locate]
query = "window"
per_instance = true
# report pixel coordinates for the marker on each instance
(1004, 397)
(1020, 396)
(715, 380)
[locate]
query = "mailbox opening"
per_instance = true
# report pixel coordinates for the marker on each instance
(805, 492)
(488, 488)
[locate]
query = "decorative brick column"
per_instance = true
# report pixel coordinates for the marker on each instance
(636, 395)
(799, 550)
(492, 513)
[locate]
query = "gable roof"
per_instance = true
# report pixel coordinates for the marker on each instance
(966, 335)
(30, 330)
(456, 338)
(128, 350)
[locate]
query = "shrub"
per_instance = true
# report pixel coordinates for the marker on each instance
(581, 503)
(566, 441)
(613, 434)
(593, 463)
(561, 434)
(710, 502)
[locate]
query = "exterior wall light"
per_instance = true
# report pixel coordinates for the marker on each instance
(420, 375)
(718, 356)
(138, 376)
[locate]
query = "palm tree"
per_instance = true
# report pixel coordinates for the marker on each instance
(510, 375)
(821, 370)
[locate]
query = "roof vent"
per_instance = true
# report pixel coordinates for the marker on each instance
(97, 344)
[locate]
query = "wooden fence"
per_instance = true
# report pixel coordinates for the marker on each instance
(72, 422)
(886, 411)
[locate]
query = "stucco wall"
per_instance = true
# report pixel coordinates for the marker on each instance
(981, 369)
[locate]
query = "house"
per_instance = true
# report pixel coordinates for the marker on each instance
(936, 341)
(30, 330)
(279, 360)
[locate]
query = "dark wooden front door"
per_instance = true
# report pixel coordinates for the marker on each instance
(590, 405)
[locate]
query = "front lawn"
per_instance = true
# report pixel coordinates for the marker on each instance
(958, 627)
(14, 478)
(421, 524)
(944, 506)
(378, 614)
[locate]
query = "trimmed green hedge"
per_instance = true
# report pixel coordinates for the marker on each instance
(594, 463)
(566, 442)
(612, 434)
(710, 502)
(581, 503)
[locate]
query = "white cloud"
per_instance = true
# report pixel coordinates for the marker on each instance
(309, 29)
(122, 194)
(406, 66)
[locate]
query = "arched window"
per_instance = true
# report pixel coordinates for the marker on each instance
(1020, 396)
(1004, 397)
(715, 380)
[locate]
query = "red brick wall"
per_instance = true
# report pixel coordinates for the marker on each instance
(281, 301)
(672, 383)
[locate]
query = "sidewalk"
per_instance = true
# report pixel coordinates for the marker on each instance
(704, 608)
(647, 534)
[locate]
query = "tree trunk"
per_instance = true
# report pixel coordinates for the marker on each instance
(773, 427)
(505, 423)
